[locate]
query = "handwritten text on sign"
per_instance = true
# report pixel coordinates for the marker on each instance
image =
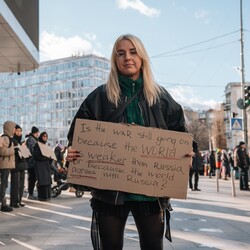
(131, 158)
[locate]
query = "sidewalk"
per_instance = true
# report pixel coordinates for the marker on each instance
(211, 220)
(205, 220)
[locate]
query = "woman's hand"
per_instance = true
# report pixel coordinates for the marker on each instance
(72, 154)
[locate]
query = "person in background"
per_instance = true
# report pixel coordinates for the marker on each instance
(231, 161)
(58, 153)
(197, 163)
(18, 173)
(43, 170)
(218, 162)
(30, 143)
(212, 164)
(130, 96)
(235, 162)
(242, 162)
(206, 163)
(7, 162)
(224, 164)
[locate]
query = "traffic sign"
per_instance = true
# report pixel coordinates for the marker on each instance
(236, 124)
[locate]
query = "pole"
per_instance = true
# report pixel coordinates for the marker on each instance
(244, 112)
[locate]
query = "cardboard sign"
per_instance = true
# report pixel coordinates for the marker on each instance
(131, 158)
(47, 151)
(23, 151)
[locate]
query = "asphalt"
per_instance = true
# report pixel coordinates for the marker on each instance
(212, 218)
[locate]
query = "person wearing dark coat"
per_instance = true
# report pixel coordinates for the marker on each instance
(212, 164)
(30, 143)
(242, 162)
(130, 96)
(43, 170)
(18, 173)
(197, 163)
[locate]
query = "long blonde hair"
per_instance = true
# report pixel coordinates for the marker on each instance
(151, 90)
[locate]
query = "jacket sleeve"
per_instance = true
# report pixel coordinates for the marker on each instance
(95, 107)
(83, 113)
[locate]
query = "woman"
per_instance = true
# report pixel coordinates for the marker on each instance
(18, 173)
(130, 96)
(43, 170)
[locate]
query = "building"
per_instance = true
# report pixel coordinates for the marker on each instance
(233, 113)
(19, 35)
(50, 96)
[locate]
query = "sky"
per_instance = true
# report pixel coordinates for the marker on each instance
(194, 45)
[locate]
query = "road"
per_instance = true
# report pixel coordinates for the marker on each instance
(209, 219)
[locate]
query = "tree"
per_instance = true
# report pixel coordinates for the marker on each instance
(218, 130)
(200, 132)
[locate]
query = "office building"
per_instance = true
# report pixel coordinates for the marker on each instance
(233, 114)
(50, 96)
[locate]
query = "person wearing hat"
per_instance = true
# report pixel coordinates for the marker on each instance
(30, 143)
(43, 170)
(241, 160)
(7, 162)
(18, 173)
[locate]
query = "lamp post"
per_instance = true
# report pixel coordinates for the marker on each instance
(244, 112)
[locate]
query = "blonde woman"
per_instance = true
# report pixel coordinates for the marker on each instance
(130, 95)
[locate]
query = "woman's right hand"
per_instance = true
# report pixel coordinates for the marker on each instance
(72, 154)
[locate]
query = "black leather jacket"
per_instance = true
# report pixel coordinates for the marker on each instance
(165, 114)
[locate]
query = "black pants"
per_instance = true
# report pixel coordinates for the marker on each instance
(16, 186)
(3, 185)
(31, 180)
(112, 221)
(243, 178)
(44, 192)
(196, 178)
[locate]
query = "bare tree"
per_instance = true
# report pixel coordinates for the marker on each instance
(218, 130)
(200, 132)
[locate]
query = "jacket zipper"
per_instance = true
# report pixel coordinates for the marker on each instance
(133, 85)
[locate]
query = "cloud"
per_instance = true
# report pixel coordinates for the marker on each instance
(139, 6)
(56, 47)
(203, 15)
(187, 98)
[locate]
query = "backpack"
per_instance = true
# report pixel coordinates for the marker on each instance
(10, 140)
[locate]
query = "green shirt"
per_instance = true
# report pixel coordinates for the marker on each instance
(133, 114)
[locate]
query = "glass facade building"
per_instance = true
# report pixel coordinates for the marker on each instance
(49, 97)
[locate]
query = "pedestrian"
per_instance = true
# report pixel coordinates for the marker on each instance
(225, 165)
(30, 143)
(18, 173)
(235, 162)
(231, 162)
(241, 160)
(218, 162)
(58, 153)
(43, 170)
(129, 96)
(7, 161)
(212, 164)
(197, 163)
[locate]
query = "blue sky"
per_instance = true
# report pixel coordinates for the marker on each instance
(194, 45)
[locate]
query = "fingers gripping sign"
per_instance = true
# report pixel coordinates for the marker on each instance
(72, 154)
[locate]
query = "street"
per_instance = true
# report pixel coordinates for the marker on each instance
(205, 220)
